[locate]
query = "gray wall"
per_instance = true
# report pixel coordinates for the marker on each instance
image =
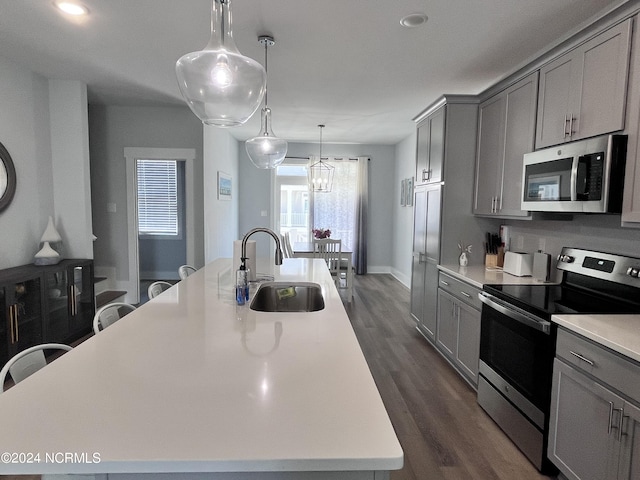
(220, 216)
(113, 128)
(256, 184)
(31, 105)
(405, 167)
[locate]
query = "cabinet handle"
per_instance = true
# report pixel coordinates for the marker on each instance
(13, 338)
(15, 321)
(564, 128)
(621, 433)
(498, 205)
(571, 119)
(609, 427)
(74, 306)
(446, 284)
(584, 359)
(619, 426)
(493, 204)
(465, 294)
(620, 418)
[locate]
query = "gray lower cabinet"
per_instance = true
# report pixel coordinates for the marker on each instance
(592, 423)
(458, 329)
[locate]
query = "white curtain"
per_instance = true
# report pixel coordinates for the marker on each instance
(343, 210)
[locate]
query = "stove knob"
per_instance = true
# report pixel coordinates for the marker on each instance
(566, 258)
(633, 271)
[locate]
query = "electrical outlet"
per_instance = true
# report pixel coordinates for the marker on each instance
(520, 242)
(111, 207)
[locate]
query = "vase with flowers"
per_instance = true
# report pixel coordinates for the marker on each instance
(321, 233)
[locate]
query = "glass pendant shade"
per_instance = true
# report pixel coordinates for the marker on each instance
(266, 150)
(221, 86)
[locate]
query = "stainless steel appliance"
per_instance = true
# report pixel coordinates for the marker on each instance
(586, 176)
(517, 339)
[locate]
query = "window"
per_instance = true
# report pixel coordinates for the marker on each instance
(336, 210)
(158, 197)
(293, 201)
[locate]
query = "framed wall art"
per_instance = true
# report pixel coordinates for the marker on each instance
(224, 186)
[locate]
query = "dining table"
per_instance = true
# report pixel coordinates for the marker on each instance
(306, 250)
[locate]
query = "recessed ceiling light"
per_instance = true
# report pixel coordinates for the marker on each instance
(414, 20)
(72, 8)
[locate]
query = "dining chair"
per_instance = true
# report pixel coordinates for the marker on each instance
(28, 361)
(330, 250)
(109, 314)
(286, 245)
(185, 270)
(156, 288)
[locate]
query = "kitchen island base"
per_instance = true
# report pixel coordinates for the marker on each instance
(355, 475)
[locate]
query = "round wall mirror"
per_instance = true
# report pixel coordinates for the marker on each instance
(7, 178)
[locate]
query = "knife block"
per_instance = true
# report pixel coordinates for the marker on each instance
(494, 259)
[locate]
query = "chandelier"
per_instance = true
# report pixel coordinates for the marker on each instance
(321, 173)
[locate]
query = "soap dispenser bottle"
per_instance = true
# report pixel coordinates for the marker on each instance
(242, 284)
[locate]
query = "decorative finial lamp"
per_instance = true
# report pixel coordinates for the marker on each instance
(321, 173)
(47, 255)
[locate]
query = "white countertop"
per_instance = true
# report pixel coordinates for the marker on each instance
(620, 333)
(479, 275)
(190, 382)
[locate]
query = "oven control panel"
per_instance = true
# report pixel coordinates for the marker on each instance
(606, 266)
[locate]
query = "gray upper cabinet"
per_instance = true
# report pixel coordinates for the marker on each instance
(506, 131)
(583, 92)
(430, 151)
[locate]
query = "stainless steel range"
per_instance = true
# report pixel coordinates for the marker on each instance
(517, 340)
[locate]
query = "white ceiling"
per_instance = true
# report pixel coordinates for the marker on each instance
(348, 64)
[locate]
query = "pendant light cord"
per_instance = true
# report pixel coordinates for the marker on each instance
(266, 71)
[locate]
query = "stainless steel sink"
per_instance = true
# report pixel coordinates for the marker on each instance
(288, 297)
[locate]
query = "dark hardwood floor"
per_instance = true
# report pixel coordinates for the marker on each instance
(442, 430)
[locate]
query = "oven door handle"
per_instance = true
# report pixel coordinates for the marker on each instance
(533, 322)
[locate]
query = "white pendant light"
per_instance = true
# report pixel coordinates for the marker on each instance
(321, 173)
(266, 150)
(221, 86)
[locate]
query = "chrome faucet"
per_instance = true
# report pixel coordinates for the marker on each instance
(278, 255)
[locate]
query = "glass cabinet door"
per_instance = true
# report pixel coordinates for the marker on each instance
(82, 296)
(70, 298)
(57, 294)
(20, 317)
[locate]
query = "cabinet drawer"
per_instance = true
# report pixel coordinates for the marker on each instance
(620, 373)
(459, 289)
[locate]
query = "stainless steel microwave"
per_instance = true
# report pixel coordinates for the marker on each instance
(586, 176)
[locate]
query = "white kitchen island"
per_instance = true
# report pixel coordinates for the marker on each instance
(191, 385)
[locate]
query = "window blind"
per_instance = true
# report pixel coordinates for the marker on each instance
(157, 197)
